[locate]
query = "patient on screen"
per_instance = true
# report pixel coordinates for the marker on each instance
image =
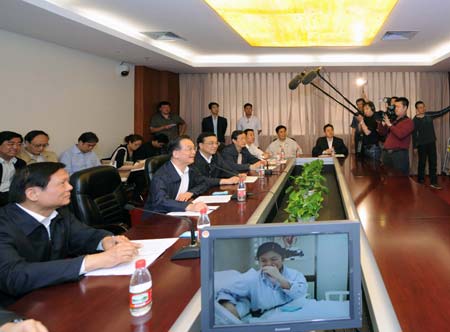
(273, 285)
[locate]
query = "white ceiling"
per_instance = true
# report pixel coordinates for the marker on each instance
(111, 28)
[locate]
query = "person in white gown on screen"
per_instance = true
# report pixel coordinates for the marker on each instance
(271, 286)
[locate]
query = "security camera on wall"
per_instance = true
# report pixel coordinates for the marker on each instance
(123, 69)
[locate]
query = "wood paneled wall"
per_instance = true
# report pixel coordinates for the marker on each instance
(150, 87)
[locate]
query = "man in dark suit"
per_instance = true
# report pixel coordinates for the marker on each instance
(42, 243)
(214, 123)
(10, 322)
(238, 156)
(211, 164)
(10, 143)
(329, 145)
(175, 183)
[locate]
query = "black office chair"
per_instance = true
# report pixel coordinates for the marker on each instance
(98, 199)
(152, 164)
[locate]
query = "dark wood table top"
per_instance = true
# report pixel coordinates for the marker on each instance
(101, 303)
(407, 227)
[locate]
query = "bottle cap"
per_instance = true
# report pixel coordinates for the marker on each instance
(203, 211)
(140, 264)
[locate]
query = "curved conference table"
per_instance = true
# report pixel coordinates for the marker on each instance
(405, 255)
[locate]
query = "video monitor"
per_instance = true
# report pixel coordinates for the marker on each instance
(281, 277)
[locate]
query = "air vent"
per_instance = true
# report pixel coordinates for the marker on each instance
(163, 35)
(399, 35)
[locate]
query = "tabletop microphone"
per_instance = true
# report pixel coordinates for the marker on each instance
(233, 173)
(311, 76)
(295, 82)
(188, 252)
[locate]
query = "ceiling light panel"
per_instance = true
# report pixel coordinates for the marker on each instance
(303, 23)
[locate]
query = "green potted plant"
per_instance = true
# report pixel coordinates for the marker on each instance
(306, 193)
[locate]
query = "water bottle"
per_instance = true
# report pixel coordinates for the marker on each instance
(202, 222)
(261, 171)
(282, 154)
(140, 290)
(241, 190)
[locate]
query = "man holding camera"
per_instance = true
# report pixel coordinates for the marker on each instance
(396, 147)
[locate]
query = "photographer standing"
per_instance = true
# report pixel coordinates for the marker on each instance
(368, 126)
(396, 147)
(424, 140)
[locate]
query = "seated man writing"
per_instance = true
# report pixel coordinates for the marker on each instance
(175, 182)
(42, 243)
(270, 287)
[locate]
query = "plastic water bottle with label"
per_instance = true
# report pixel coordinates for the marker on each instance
(241, 190)
(140, 290)
(202, 222)
(282, 154)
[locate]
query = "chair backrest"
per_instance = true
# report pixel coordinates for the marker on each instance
(98, 197)
(152, 164)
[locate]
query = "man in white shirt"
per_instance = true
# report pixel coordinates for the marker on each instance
(249, 121)
(81, 155)
(10, 144)
(252, 148)
(42, 243)
(284, 143)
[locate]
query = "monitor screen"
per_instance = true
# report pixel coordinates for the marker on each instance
(281, 277)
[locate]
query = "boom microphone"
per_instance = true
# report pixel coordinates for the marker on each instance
(295, 82)
(311, 76)
(191, 251)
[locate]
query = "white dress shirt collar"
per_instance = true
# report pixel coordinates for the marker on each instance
(45, 221)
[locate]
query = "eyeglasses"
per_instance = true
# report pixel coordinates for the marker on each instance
(11, 144)
(38, 146)
(189, 149)
(211, 143)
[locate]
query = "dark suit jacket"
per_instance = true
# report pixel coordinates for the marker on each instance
(28, 260)
(322, 145)
(7, 316)
(230, 154)
(164, 188)
(207, 126)
(18, 165)
(210, 171)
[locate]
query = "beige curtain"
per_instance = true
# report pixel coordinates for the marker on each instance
(306, 110)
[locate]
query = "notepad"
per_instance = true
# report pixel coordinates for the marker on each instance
(150, 251)
(213, 199)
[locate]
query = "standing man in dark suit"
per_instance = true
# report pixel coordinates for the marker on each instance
(10, 144)
(176, 182)
(238, 156)
(42, 243)
(328, 144)
(214, 123)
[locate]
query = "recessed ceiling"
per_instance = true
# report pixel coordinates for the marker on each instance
(112, 28)
(304, 23)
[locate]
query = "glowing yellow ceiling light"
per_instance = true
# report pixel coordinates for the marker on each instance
(298, 23)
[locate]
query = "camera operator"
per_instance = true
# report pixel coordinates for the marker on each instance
(396, 147)
(424, 140)
(368, 126)
(356, 141)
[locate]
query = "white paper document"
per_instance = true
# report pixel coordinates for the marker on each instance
(211, 208)
(150, 251)
(213, 199)
(251, 179)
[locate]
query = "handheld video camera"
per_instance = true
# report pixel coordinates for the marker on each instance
(390, 111)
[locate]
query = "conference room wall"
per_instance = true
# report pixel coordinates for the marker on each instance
(63, 92)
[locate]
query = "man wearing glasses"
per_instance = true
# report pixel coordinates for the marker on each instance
(211, 164)
(34, 151)
(175, 183)
(10, 144)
